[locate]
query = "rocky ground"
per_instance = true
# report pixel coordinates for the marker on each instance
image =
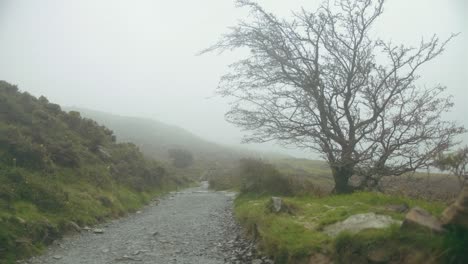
(192, 226)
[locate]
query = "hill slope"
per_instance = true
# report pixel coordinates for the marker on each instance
(58, 169)
(142, 132)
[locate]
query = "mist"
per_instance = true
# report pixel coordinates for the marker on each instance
(139, 58)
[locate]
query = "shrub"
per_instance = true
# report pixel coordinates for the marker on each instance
(456, 243)
(43, 195)
(181, 158)
(262, 178)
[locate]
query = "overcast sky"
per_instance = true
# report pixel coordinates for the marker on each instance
(138, 57)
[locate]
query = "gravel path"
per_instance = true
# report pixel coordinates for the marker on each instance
(192, 226)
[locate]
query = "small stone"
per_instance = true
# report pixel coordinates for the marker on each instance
(257, 261)
(399, 208)
(277, 204)
(98, 231)
(72, 227)
(20, 220)
(105, 250)
(139, 251)
(57, 257)
(23, 240)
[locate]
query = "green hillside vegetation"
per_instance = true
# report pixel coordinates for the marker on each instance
(210, 160)
(58, 168)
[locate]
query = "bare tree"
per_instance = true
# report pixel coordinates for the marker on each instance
(319, 81)
(456, 163)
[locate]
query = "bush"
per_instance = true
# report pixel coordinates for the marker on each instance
(456, 243)
(181, 158)
(49, 198)
(262, 178)
(57, 167)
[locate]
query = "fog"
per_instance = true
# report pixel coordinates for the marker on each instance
(138, 58)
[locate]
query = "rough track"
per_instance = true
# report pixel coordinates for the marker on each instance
(192, 226)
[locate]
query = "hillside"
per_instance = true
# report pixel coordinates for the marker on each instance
(59, 170)
(142, 132)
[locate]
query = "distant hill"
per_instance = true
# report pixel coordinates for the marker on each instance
(155, 138)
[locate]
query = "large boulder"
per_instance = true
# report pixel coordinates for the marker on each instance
(457, 213)
(420, 218)
(358, 222)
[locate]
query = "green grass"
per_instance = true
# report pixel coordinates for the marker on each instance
(292, 238)
(23, 224)
(316, 171)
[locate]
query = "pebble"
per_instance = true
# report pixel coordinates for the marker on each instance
(98, 231)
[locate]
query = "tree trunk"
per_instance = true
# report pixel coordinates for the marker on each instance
(341, 175)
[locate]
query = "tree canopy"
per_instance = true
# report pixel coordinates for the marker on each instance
(320, 81)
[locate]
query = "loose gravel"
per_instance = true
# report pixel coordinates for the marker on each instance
(192, 226)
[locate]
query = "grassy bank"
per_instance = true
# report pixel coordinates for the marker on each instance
(56, 206)
(59, 170)
(295, 237)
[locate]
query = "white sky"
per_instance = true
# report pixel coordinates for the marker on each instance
(137, 57)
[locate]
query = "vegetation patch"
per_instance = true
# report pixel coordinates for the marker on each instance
(294, 238)
(59, 170)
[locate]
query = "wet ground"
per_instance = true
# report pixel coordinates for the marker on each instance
(192, 226)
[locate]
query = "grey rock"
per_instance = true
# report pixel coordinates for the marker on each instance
(420, 218)
(72, 227)
(358, 222)
(98, 231)
(277, 204)
(399, 208)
